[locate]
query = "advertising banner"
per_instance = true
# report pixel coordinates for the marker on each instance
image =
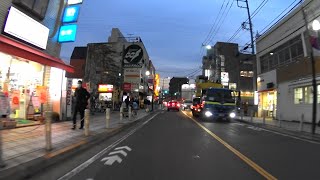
(42, 93)
(15, 99)
(133, 56)
(69, 97)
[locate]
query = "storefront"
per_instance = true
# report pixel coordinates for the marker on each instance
(268, 103)
(31, 79)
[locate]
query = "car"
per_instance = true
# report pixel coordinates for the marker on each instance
(187, 104)
(173, 105)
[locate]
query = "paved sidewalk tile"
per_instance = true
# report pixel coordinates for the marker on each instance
(27, 143)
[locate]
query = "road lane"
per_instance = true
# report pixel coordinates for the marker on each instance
(284, 157)
(171, 147)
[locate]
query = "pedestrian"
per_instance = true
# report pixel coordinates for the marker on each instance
(81, 102)
(127, 101)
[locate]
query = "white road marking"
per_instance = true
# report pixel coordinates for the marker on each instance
(101, 153)
(117, 152)
(286, 135)
(123, 147)
(111, 159)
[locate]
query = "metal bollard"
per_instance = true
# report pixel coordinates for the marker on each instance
(48, 130)
(121, 114)
(86, 121)
(2, 164)
(301, 122)
(107, 118)
(264, 117)
(130, 113)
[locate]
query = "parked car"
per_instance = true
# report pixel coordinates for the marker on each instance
(186, 104)
(175, 105)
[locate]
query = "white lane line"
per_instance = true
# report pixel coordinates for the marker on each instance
(101, 153)
(287, 135)
(282, 134)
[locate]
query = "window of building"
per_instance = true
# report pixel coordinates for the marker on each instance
(308, 95)
(36, 7)
(282, 55)
(298, 95)
(250, 74)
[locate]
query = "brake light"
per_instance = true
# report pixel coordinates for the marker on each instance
(178, 104)
(169, 104)
(173, 104)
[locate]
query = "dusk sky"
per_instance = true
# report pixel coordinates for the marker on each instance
(172, 30)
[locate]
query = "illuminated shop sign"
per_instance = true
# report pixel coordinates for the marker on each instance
(25, 28)
(105, 88)
(67, 33)
(74, 2)
(71, 14)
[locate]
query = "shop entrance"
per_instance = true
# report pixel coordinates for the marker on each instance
(268, 103)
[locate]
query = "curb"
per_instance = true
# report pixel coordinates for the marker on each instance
(26, 170)
(298, 134)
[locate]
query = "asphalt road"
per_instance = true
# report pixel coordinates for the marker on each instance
(174, 146)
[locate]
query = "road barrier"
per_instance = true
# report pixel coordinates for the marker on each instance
(301, 122)
(86, 121)
(48, 129)
(108, 118)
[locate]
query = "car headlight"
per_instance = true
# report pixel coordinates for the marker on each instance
(232, 115)
(208, 114)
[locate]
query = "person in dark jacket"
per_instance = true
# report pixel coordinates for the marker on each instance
(81, 102)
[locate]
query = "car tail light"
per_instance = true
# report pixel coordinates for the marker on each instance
(169, 104)
(178, 104)
(173, 104)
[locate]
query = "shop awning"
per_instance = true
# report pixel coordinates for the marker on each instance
(19, 49)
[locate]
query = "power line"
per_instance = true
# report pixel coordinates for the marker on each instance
(264, 29)
(221, 21)
(255, 12)
(214, 24)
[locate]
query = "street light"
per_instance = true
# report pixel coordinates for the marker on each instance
(148, 73)
(316, 25)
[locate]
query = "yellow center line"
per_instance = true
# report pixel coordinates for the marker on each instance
(255, 166)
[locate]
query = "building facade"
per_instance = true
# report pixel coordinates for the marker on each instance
(120, 63)
(224, 63)
(284, 65)
(31, 72)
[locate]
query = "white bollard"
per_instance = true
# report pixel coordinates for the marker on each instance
(48, 130)
(86, 121)
(264, 117)
(130, 113)
(301, 122)
(121, 114)
(242, 114)
(2, 164)
(279, 123)
(108, 118)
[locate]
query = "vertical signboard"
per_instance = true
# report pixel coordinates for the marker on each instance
(69, 98)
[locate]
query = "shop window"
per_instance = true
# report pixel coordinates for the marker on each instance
(298, 96)
(308, 95)
(36, 7)
(250, 74)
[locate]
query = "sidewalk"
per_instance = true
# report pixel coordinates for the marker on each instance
(23, 145)
(288, 127)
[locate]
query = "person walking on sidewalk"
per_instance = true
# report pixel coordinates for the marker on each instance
(81, 102)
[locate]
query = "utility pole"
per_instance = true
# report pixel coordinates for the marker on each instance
(254, 64)
(313, 68)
